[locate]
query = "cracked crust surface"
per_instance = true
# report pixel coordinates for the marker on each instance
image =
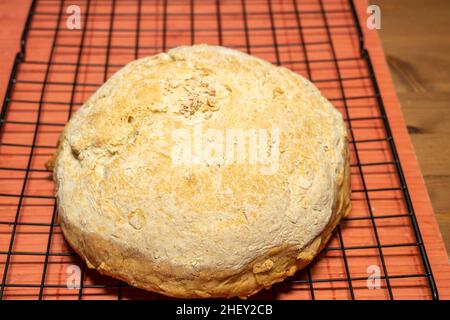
(200, 230)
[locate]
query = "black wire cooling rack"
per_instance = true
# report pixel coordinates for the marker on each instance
(57, 68)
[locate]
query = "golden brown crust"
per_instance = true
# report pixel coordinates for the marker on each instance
(147, 232)
(242, 285)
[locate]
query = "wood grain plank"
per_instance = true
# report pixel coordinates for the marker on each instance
(415, 38)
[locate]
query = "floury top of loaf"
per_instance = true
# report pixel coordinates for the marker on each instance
(202, 172)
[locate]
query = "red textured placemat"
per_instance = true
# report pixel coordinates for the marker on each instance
(318, 39)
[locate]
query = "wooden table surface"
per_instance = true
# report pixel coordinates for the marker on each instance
(416, 39)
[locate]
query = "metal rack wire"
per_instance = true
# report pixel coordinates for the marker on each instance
(57, 68)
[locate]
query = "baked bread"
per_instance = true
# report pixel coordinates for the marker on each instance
(155, 188)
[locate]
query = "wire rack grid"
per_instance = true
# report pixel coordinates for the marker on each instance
(57, 68)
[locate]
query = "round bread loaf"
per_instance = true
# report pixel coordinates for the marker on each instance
(202, 172)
